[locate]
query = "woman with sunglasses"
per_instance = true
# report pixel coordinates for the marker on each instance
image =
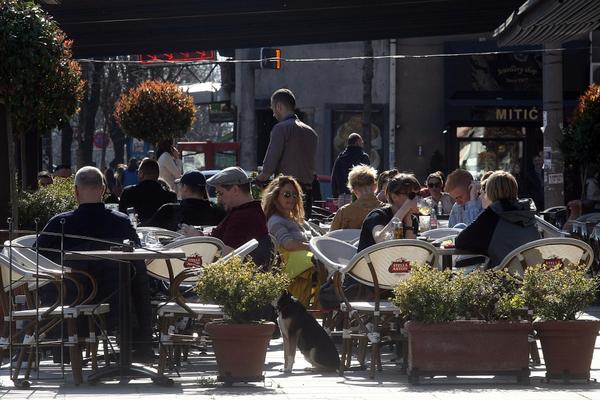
(435, 183)
(284, 209)
(401, 193)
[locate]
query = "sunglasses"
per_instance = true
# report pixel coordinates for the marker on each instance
(434, 185)
(293, 195)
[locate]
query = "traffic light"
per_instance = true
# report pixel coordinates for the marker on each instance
(270, 58)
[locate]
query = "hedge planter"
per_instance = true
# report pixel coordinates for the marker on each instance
(240, 349)
(568, 347)
(468, 348)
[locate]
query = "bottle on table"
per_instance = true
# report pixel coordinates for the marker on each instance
(433, 221)
(440, 209)
(132, 217)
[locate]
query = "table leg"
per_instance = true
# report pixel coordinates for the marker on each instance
(446, 262)
(126, 369)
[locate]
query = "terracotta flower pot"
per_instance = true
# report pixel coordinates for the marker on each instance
(568, 347)
(468, 348)
(240, 349)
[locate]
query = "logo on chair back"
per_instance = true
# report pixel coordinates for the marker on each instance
(554, 261)
(193, 261)
(399, 266)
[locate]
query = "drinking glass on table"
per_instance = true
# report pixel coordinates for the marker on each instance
(151, 241)
(424, 207)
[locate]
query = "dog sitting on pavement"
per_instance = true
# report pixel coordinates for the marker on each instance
(301, 330)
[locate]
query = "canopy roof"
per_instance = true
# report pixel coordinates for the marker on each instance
(546, 21)
(103, 28)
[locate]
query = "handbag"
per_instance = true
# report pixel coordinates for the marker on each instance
(296, 262)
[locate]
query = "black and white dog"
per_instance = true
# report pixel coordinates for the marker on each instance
(301, 330)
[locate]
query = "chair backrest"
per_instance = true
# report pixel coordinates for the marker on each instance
(547, 230)
(390, 262)
(199, 250)
(243, 250)
(25, 254)
(333, 253)
(549, 251)
(346, 235)
(15, 278)
(440, 233)
(315, 229)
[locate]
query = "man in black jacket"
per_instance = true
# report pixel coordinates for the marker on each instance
(148, 195)
(352, 156)
(194, 208)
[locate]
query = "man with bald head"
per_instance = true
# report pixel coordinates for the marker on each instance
(92, 219)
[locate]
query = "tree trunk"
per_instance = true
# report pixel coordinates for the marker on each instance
(88, 116)
(65, 144)
(367, 95)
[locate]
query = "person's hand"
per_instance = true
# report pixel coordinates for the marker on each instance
(188, 231)
(409, 207)
(474, 189)
(175, 153)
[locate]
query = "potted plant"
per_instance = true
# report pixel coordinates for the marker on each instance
(243, 290)
(459, 325)
(557, 296)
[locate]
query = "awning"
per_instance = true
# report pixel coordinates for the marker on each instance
(546, 21)
(118, 27)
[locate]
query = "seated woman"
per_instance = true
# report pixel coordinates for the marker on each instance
(435, 183)
(382, 182)
(504, 225)
(401, 193)
(361, 182)
(284, 209)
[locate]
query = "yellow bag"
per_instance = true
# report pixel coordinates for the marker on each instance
(296, 262)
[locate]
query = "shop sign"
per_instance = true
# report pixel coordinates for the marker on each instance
(517, 114)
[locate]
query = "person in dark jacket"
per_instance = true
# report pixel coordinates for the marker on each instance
(93, 220)
(352, 156)
(503, 226)
(148, 195)
(193, 209)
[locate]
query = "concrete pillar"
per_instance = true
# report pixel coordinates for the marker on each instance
(246, 114)
(553, 121)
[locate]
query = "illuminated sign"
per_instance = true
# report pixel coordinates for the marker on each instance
(209, 55)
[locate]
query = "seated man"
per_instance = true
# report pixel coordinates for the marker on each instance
(245, 219)
(92, 219)
(506, 223)
(465, 191)
(362, 183)
(193, 209)
(148, 195)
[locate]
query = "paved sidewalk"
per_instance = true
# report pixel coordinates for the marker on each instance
(197, 379)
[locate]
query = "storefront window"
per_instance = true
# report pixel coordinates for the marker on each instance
(483, 149)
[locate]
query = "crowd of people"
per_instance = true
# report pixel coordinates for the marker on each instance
(383, 206)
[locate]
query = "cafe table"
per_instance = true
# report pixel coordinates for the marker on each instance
(125, 368)
(447, 252)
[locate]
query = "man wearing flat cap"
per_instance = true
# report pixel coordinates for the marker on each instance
(245, 219)
(193, 209)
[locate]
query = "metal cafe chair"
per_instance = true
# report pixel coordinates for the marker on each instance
(380, 266)
(346, 235)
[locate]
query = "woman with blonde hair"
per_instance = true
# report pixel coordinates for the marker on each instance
(362, 182)
(507, 223)
(284, 209)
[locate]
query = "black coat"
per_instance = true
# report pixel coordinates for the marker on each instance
(188, 211)
(146, 197)
(350, 157)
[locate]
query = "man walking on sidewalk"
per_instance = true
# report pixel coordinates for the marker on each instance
(293, 146)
